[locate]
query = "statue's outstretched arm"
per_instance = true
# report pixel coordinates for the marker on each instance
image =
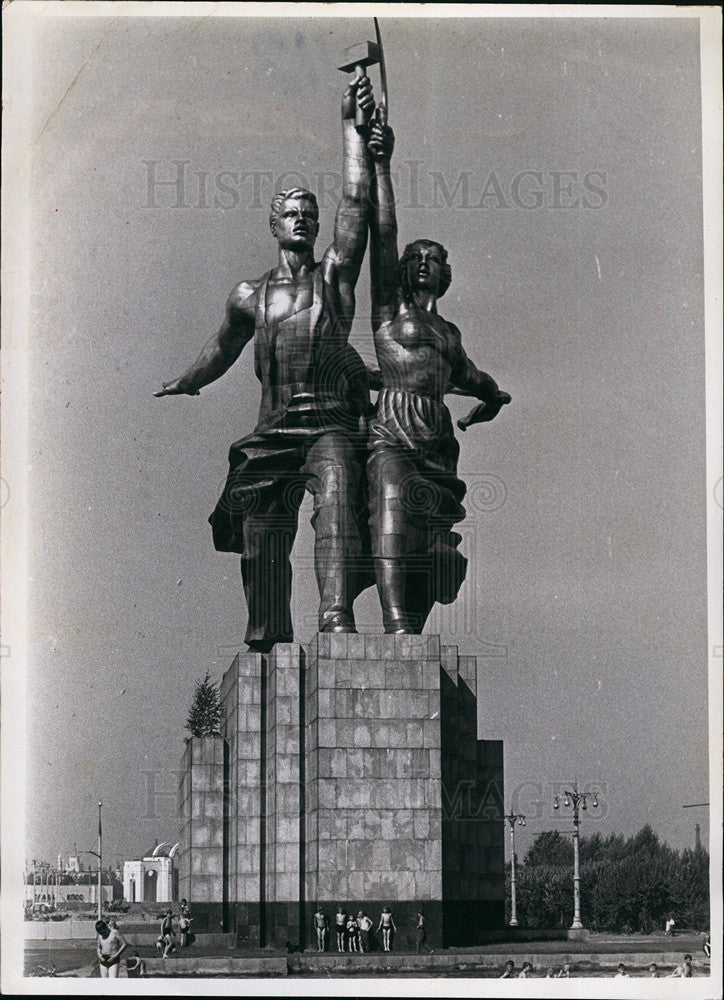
(467, 380)
(220, 351)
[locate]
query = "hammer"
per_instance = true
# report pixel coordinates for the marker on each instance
(360, 56)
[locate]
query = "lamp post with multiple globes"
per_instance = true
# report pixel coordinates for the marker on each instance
(579, 801)
(512, 819)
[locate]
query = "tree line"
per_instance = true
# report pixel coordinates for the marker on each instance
(627, 884)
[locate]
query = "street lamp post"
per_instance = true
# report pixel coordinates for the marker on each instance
(578, 801)
(98, 854)
(100, 863)
(512, 819)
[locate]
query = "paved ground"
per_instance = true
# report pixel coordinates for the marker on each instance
(484, 962)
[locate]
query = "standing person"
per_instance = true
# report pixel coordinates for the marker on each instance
(184, 908)
(387, 926)
(312, 429)
(184, 924)
(321, 925)
(168, 934)
(669, 928)
(508, 971)
(340, 926)
(352, 937)
(365, 926)
(421, 934)
(706, 947)
(415, 493)
(110, 945)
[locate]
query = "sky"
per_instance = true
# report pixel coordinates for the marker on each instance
(559, 161)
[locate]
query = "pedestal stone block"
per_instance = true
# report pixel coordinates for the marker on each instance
(201, 848)
(353, 774)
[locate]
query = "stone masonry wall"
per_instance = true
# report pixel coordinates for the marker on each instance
(201, 862)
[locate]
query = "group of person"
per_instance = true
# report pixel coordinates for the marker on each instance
(685, 970)
(166, 943)
(111, 946)
(527, 971)
(353, 933)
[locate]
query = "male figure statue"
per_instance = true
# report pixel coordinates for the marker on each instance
(315, 395)
(415, 495)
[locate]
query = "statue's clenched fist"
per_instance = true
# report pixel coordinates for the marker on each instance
(381, 141)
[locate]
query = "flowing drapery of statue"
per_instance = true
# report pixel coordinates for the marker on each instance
(311, 431)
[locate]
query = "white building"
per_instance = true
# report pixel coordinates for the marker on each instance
(48, 893)
(154, 879)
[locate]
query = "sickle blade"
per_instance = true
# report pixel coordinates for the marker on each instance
(384, 103)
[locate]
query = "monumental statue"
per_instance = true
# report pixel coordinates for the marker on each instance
(311, 431)
(330, 780)
(414, 492)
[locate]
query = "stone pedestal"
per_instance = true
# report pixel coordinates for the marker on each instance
(355, 776)
(202, 844)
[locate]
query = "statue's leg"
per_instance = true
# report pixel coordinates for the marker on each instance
(266, 569)
(335, 476)
(388, 469)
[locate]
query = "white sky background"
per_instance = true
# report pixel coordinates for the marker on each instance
(590, 577)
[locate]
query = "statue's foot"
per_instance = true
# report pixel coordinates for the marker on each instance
(265, 645)
(399, 627)
(338, 624)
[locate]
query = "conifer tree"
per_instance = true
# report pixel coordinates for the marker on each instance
(205, 713)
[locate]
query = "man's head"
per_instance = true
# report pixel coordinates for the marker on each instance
(424, 267)
(620, 967)
(509, 965)
(688, 958)
(102, 928)
(294, 219)
(653, 969)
